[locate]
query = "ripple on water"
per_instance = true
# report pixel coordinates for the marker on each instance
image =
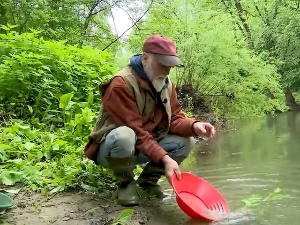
(237, 182)
(253, 180)
(241, 217)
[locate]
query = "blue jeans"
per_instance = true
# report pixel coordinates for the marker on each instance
(120, 143)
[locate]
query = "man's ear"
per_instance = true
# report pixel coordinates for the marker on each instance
(144, 58)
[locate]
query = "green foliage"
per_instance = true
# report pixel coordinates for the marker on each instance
(218, 61)
(256, 199)
(270, 28)
(124, 217)
(123, 55)
(77, 21)
(284, 33)
(48, 159)
(45, 15)
(35, 73)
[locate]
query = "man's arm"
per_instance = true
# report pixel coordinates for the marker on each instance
(122, 107)
(180, 125)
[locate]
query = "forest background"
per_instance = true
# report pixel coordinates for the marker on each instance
(241, 60)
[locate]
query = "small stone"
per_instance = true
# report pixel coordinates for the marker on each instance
(66, 218)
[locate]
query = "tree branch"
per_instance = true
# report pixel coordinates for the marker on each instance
(231, 13)
(113, 18)
(139, 30)
(90, 14)
(264, 19)
(240, 11)
(129, 27)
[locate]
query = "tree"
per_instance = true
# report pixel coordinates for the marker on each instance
(217, 56)
(272, 28)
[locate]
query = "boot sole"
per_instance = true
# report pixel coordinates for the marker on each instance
(128, 203)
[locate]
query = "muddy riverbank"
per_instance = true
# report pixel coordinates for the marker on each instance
(76, 208)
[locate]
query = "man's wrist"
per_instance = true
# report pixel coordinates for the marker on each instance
(193, 129)
(165, 159)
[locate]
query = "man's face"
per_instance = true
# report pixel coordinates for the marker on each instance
(156, 72)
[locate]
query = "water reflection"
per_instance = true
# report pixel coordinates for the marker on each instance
(260, 156)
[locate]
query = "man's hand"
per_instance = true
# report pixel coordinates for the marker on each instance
(204, 129)
(171, 167)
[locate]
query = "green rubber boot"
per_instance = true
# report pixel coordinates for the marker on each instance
(149, 178)
(123, 171)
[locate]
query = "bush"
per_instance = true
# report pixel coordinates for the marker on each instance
(35, 73)
(50, 159)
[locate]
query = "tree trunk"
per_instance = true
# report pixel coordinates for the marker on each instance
(240, 12)
(290, 101)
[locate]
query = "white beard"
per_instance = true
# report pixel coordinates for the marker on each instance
(158, 83)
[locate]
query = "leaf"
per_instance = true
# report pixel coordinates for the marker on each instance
(28, 145)
(125, 216)
(46, 68)
(30, 109)
(5, 28)
(57, 189)
(47, 154)
(17, 139)
(7, 179)
(61, 142)
(65, 100)
(253, 200)
(23, 127)
(278, 197)
(3, 157)
(90, 98)
(12, 191)
(277, 190)
(55, 147)
(3, 147)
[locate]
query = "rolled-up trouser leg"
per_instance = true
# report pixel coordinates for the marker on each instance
(117, 153)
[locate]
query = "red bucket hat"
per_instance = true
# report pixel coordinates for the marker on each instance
(164, 50)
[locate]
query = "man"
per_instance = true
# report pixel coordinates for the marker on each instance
(141, 121)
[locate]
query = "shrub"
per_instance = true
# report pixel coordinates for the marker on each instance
(35, 73)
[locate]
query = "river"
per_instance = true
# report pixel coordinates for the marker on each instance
(259, 156)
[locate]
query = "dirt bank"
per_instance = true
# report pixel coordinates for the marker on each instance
(31, 208)
(80, 208)
(198, 105)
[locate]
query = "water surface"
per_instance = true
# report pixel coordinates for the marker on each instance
(259, 156)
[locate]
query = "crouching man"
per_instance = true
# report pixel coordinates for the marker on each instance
(142, 121)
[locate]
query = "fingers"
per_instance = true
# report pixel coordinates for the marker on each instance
(172, 168)
(213, 131)
(169, 176)
(210, 130)
(178, 173)
(203, 130)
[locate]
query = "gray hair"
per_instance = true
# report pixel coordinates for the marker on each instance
(150, 55)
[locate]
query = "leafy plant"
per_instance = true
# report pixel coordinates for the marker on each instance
(256, 199)
(35, 74)
(49, 159)
(124, 217)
